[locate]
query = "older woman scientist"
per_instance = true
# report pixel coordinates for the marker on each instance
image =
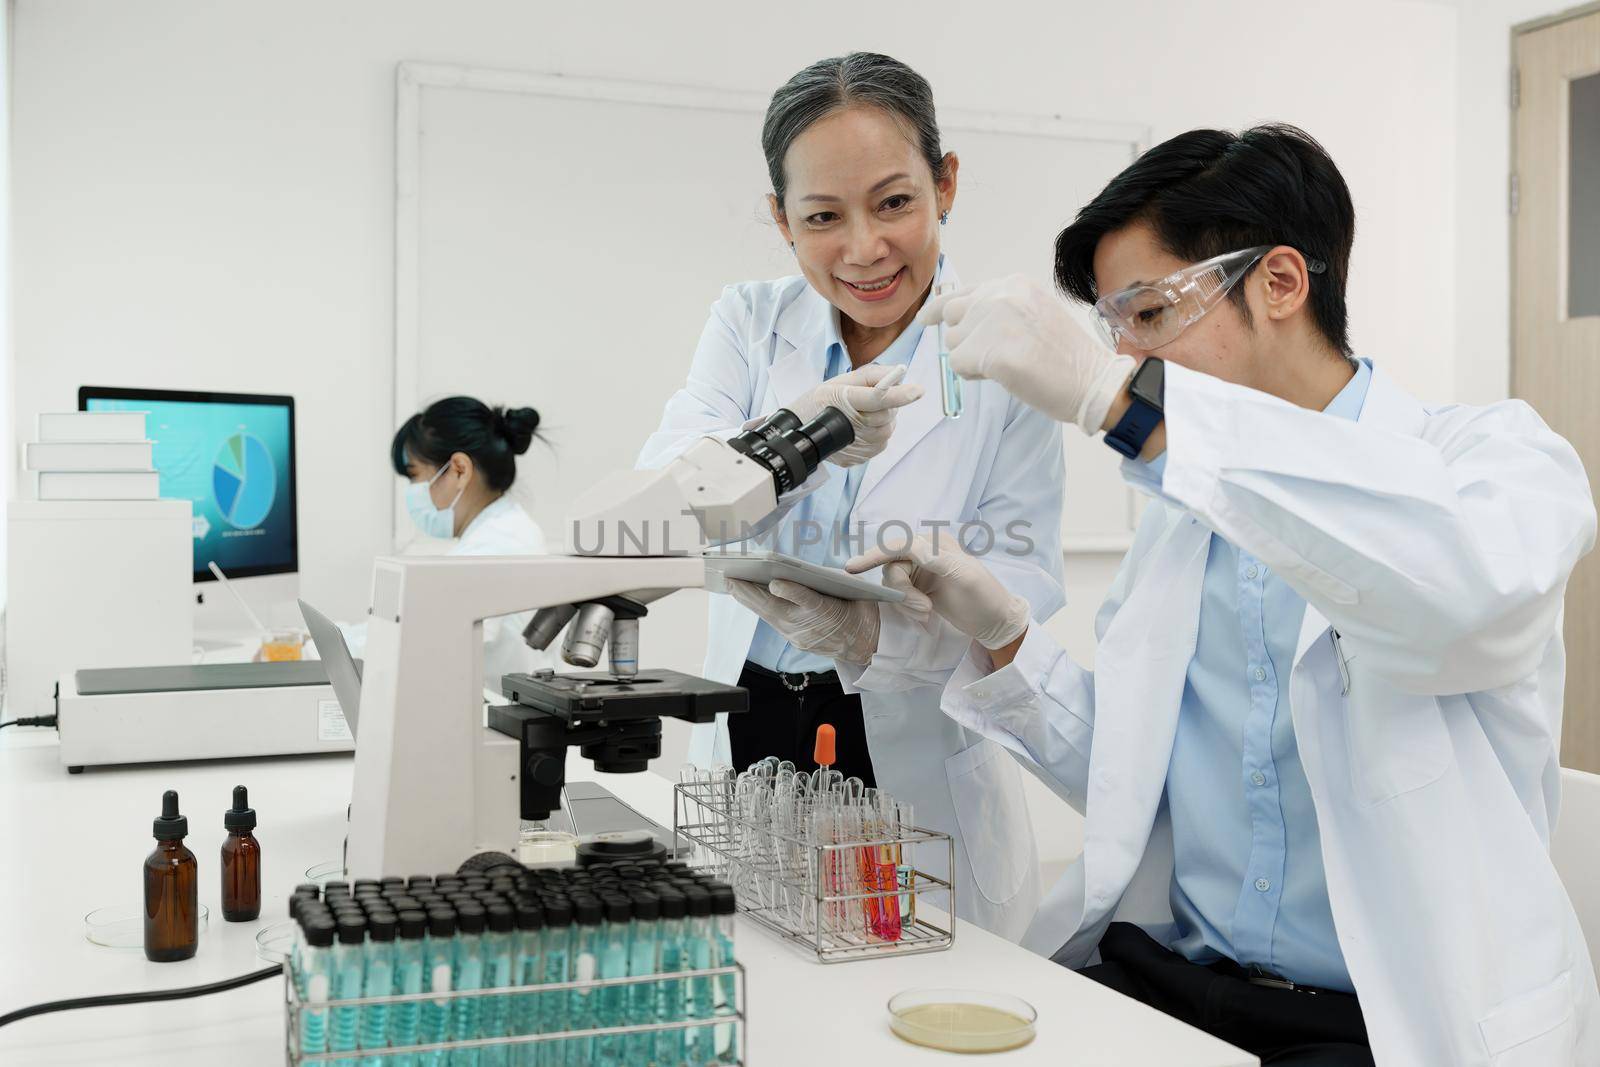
(860, 188)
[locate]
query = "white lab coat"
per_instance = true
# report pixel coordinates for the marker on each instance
(1001, 463)
(501, 529)
(1436, 543)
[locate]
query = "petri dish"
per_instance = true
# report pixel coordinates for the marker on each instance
(962, 1020)
(275, 942)
(326, 871)
(123, 927)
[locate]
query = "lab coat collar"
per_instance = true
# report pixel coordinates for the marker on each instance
(804, 325)
(1389, 407)
(810, 324)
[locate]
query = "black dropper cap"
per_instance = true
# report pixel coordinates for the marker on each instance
(352, 929)
(170, 826)
(413, 924)
(241, 816)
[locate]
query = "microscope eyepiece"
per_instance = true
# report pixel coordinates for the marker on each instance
(791, 451)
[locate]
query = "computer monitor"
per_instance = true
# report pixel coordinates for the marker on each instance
(232, 456)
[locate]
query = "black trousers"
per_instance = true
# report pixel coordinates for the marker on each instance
(1282, 1026)
(782, 722)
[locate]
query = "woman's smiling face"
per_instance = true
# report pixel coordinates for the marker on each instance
(862, 210)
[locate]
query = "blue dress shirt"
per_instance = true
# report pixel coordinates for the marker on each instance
(1248, 882)
(825, 512)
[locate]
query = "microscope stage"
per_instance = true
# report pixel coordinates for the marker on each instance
(597, 697)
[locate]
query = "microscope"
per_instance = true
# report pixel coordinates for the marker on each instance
(436, 779)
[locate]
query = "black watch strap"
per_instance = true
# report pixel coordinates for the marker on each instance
(1144, 414)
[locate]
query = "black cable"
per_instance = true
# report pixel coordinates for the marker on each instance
(113, 999)
(39, 720)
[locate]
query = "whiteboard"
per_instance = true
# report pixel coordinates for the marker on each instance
(560, 240)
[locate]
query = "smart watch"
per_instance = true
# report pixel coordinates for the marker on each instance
(1144, 414)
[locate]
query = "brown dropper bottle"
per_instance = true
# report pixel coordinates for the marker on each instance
(241, 861)
(171, 889)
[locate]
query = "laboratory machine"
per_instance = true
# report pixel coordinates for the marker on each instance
(434, 782)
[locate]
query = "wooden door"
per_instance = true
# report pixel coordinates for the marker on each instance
(1555, 249)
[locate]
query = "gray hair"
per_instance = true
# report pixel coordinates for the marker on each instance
(858, 79)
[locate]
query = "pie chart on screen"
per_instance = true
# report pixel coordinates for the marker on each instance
(244, 481)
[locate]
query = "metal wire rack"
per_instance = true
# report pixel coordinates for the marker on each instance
(717, 1037)
(844, 899)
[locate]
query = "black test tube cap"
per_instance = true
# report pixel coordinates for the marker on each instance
(413, 924)
(383, 925)
(352, 929)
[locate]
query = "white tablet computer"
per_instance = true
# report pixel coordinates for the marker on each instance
(762, 567)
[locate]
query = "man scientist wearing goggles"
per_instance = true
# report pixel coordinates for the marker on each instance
(1318, 752)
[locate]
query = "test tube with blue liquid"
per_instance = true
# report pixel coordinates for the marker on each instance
(558, 938)
(499, 970)
(466, 1014)
(349, 977)
(643, 959)
(949, 382)
(671, 1045)
(408, 978)
(382, 926)
(529, 969)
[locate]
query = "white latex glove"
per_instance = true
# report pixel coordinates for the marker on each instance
(1016, 332)
(870, 411)
(957, 586)
(812, 621)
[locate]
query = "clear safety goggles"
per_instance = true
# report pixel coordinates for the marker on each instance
(1151, 314)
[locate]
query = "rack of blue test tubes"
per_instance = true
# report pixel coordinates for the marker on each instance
(625, 964)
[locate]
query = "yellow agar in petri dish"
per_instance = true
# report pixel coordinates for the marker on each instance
(962, 1021)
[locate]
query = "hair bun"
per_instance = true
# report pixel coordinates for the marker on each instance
(518, 425)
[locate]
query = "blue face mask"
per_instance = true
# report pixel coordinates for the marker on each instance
(432, 521)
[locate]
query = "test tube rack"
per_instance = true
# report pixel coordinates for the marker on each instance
(730, 1016)
(814, 894)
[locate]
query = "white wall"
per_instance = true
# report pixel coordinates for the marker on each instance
(204, 191)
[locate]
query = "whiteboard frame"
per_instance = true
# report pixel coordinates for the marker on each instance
(413, 78)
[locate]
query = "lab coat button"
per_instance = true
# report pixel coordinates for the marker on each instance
(1260, 674)
(1258, 778)
(1263, 885)
(1251, 573)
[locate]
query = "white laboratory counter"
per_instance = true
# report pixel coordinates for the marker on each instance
(72, 843)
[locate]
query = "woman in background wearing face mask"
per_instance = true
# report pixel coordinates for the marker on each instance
(460, 457)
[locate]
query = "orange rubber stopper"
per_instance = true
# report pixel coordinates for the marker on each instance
(823, 753)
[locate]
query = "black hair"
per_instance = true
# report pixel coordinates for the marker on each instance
(491, 436)
(1207, 192)
(829, 85)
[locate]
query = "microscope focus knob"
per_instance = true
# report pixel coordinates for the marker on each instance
(546, 770)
